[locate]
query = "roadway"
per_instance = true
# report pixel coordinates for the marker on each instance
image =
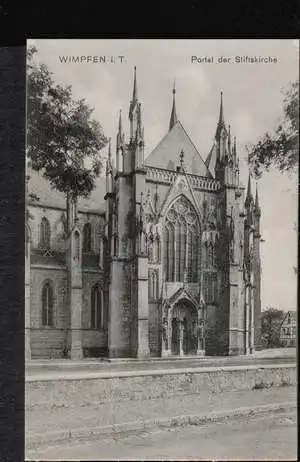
(270, 436)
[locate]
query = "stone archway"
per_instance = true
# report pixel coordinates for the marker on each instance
(184, 328)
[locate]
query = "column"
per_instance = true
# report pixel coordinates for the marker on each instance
(75, 293)
(200, 335)
(165, 345)
(181, 334)
(252, 323)
(142, 347)
(247, 320)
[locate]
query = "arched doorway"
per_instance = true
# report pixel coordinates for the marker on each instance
(184, 324)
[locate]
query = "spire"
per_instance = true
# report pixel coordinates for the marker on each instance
(249, 194)
(134, 100)
(140, 129)
(120, 132)
(229, 140)
(173, 118)
(257, 210)
(109, 149)
(234, 148)
(249, 197)
(221, 116)
(134, 94)
(221, 122)
(109, 158)
(120, 122)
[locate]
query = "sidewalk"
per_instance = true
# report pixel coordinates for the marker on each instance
(55, 370)
(48, 426)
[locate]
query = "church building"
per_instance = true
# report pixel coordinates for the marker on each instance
(162, 260)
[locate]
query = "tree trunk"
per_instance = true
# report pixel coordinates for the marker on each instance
(68, 213)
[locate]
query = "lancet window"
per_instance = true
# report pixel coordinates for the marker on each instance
(87, 238)
(45, 233)
(97, 321)
(47, 304)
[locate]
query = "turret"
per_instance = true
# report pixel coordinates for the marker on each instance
(134, 152)
(226, 167)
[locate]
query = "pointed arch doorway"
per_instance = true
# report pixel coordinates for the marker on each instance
(184, 329)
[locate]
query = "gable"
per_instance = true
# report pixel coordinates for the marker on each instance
(180, 189)
(166, 153)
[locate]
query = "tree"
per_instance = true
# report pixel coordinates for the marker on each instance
(280, 148)
(271, 320)
(63, 141)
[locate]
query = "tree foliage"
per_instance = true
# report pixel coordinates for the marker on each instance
(63, 141)
(280, 148)
(271, 320)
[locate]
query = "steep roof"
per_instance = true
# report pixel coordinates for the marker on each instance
(211, 159)
(166, 153)
(48, 196)
(291, 314)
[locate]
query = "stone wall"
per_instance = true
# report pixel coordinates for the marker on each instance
(50, 342)
(99, 388)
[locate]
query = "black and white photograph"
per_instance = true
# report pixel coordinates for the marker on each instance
(161, 249)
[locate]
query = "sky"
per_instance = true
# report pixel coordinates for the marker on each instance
(252, 95)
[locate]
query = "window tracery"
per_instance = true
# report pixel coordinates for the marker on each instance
(45, 233)
(181, 242)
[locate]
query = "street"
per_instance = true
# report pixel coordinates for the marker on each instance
(269, 436)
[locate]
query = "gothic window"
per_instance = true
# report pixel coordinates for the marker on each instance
(76, 238)
(45, 233)
(153, 285)
(47, 305)
(181, 242)
(97, 308)
(169, 252)
(87, 238)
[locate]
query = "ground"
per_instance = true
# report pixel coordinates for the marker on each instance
(269, 436)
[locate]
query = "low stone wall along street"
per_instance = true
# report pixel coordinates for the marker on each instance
(94, 389)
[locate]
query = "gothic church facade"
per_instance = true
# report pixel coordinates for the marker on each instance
(163, 259)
